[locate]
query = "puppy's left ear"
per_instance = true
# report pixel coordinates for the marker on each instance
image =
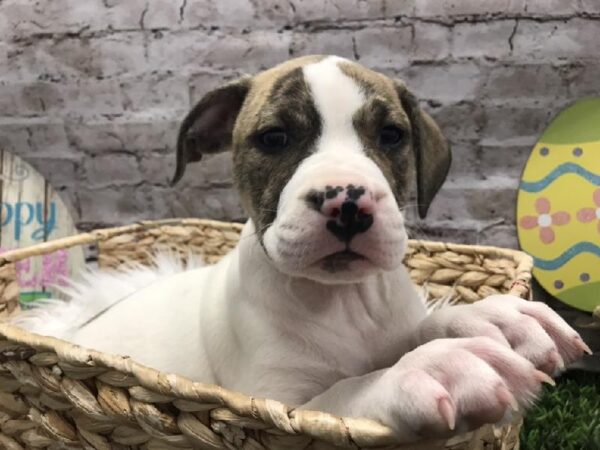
(432, 151)
(208, 127)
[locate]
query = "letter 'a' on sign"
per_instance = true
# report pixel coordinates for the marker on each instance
(558, 208)
(31, 212)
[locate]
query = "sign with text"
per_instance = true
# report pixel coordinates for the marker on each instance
(31, 212)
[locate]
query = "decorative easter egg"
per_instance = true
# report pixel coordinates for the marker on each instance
(558, 206)
(32, 212)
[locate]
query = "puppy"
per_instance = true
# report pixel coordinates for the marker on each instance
(314, 307)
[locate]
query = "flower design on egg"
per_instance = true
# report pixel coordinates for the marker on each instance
(590, 214)
(545, 220)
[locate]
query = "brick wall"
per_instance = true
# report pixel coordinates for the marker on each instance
(91, 92)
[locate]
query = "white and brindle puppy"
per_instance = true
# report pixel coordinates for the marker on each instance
(314, 306)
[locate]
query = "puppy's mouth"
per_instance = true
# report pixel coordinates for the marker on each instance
(339, 261)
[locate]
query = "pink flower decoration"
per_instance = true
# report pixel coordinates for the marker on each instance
(590, 214)
(545, 220)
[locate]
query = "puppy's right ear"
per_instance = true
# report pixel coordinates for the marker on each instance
(208, 127)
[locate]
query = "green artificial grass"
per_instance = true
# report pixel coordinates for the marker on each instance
(566, 417)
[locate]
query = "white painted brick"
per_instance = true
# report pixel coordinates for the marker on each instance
(244, 52)
(112, 169)
(328, 42)
(335, 10)
(446, 83)
(398, 8)
(157, 168)
(466, 157)
(274, 13)
(460, 121)
(553, 7)
(112, 205)
(161, 14)
(590, 6)
(6, 30)
(115, 54)
(479, 40)
(118, 54)
(22, 63)
(501, 235)
(479, 201)
(250, 52)
(443, 8)
(8, 101)
(179, 52)
(431, 42)
(576, 38)
(237, 14)
(583, 80)
(510, 122)
(218, 203)
(127, 14)
(24, 18)
(509, 82)
(155, 92)
(27, 99)
(35, 136)
(139, 133)
(384, 47)
(503, 160)
(226, 13)
(87, 97)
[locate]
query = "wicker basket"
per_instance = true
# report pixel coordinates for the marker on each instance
(57, 395)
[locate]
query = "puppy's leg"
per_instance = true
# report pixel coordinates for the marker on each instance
(441, 388)
(532, 329)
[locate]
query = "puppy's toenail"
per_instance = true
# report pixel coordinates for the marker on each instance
(544, 378)
(447, 411)
(556, 361)
(506, 398)
(582, 346)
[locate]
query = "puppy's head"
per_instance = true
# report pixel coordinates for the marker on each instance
(323, 153)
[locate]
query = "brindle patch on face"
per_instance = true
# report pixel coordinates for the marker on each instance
(332, 192)
(315, 199)
(261, 177)
(355, 192)
(383, 108)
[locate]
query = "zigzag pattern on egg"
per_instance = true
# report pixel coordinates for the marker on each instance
(537, 186)
(558, 207)
(564, 258)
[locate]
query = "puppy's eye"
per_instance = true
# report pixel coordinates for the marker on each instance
(273, 140)
(390, 136)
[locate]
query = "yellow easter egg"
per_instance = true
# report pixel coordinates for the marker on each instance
(558, 206)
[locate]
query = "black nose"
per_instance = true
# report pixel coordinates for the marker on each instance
(350, 221)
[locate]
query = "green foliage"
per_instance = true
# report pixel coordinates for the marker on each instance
(566, 417)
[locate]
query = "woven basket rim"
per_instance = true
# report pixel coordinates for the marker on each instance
(102, 234)
(318, 425)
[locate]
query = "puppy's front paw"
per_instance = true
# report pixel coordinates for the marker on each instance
(455, 385)
(532, 329)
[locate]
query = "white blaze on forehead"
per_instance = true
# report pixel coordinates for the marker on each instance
(337, 97)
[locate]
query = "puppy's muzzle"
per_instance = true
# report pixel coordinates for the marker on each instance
(349, 209)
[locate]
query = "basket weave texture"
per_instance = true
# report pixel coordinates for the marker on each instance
(57, 395)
